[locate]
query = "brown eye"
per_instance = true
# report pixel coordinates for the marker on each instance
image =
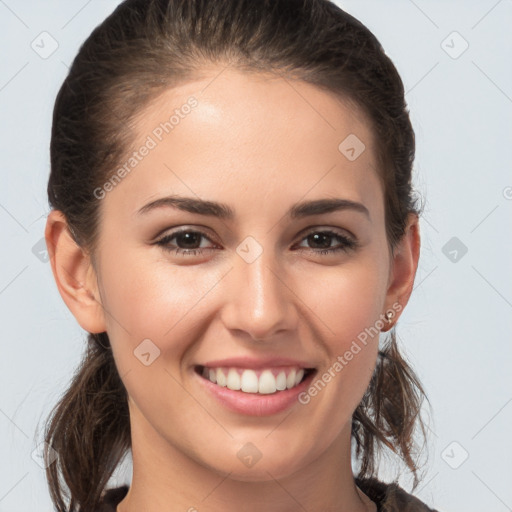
(187, 242)
(320, 242)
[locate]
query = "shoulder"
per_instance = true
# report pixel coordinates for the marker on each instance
(112, 498)
(391, 497)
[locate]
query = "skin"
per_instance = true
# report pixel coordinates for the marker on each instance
(259, 144)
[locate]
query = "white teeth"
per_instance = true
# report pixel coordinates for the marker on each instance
(290, 380)
(267, 383)
(249, 382)
(281, 381)
(233, 380)
(221, 378)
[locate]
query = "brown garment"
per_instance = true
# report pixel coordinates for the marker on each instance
(387, 497)
(391, 497)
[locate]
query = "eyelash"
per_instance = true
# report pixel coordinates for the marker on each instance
(349, 244)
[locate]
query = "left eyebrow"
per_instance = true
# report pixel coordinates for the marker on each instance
(319, 206)
(223, 211)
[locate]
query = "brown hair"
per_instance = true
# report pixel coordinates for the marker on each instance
(143, 48)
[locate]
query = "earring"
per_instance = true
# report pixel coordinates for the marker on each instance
(389, 321)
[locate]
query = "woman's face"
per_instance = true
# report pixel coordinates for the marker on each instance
(280, 287)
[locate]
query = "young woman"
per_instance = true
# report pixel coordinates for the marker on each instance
(233, 224)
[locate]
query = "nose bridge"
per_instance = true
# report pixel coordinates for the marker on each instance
(260, 302)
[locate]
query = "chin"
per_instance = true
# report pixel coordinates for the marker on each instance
(259, 461)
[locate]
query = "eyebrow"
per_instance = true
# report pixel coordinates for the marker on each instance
(223, 211)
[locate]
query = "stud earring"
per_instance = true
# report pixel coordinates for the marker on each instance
(389, 321)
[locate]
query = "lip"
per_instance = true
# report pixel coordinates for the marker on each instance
(254, 404)
(256, 364)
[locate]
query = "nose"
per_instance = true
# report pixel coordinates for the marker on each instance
(260, 300)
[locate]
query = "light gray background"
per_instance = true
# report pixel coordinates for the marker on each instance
(456, 328)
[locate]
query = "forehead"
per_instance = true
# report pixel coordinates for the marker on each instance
(237, 134)
(227, 98)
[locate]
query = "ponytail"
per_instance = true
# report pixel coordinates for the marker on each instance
(389, 412)
(89, 429)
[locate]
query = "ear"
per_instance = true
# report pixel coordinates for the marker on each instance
(404, 263)
(74, 274)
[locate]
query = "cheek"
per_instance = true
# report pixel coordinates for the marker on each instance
(351, 311)
(149, 298)
(351, 300)
(351, 307)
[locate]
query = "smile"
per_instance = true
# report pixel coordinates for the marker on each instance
(262, 381)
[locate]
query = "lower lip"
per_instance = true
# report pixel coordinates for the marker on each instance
(255, 404)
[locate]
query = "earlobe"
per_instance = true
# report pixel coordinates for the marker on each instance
(403, 270)
(74, 274)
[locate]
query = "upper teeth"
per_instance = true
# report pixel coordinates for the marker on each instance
(248, 380)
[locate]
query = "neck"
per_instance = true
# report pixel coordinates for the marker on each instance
(165, 479)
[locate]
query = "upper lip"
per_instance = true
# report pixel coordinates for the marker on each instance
(256, 363)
